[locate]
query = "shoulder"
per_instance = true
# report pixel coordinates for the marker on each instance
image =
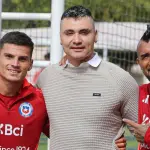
(37, 101)
(144, 89)
(144, 86)
(116, 71)
(122, 80)
(36, 93)
(111, 66)
(39, 93)
(46, 74)
(50, 69)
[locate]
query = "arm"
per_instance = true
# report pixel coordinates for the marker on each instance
(129, 108)
(141, 131)
(46, 128)
(46, 125)
(128, 91)
(147, 136)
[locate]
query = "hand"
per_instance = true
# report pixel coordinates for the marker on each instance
(63, 60)
(139, 129)
(121, 143)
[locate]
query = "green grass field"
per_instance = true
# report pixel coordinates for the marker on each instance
(42, 147)
(131, 142)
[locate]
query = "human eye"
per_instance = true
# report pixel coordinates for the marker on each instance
(69, 32)
(8, 56)
(145, 56)
(23, 58)
(85, 31)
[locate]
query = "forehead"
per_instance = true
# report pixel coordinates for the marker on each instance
(143, 47)
(16, 50)
(77, 23)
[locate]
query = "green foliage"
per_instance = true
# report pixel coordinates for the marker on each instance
(116, 10)
(27, 6)
(102, 10)
(30, 6)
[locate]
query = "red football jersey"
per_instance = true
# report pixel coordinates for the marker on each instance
(22, 119)
(144, 113)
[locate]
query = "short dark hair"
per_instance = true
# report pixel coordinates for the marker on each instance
(76, 12)
(17, 38)
(146, 35)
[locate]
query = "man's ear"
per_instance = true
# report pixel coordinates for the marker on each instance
(96, 36)
(60, 38)
(31, 64)
(137, 60)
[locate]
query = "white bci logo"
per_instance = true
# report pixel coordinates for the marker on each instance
(8, 129)
(17, 148)
(22, 148)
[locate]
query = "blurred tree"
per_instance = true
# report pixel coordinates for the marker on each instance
(30, 6)
(102, 10)
(116, 10)
(26, 6)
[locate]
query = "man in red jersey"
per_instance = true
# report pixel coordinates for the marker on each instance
(142, 130)
(23, 113)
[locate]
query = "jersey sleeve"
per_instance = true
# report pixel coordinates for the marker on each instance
(147, 137)
(129, 108)
(142, 109)
(46, 128)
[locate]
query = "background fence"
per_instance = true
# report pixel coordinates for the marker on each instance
(120, 24)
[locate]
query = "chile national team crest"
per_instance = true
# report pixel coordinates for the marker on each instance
(26, 109)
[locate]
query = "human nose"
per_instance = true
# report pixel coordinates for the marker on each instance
(15, 63)
(76, 39)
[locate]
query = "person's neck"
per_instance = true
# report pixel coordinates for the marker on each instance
(9, 88)
(77, 62)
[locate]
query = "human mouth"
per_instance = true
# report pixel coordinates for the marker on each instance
(77, 49)
(13, 71)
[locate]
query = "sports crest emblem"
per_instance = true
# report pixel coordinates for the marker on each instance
(25, 109)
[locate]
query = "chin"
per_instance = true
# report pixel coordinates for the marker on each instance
(14, 79)
(79, 56)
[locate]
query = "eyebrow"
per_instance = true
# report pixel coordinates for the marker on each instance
(81, 30)
(8, 53)
(27, 57)
(86, 29)
(145, 54)
(68, 30)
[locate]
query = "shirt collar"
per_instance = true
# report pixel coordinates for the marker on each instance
(94, 61)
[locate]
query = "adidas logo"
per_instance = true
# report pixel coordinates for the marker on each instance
(146, 100)
(145, 119)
